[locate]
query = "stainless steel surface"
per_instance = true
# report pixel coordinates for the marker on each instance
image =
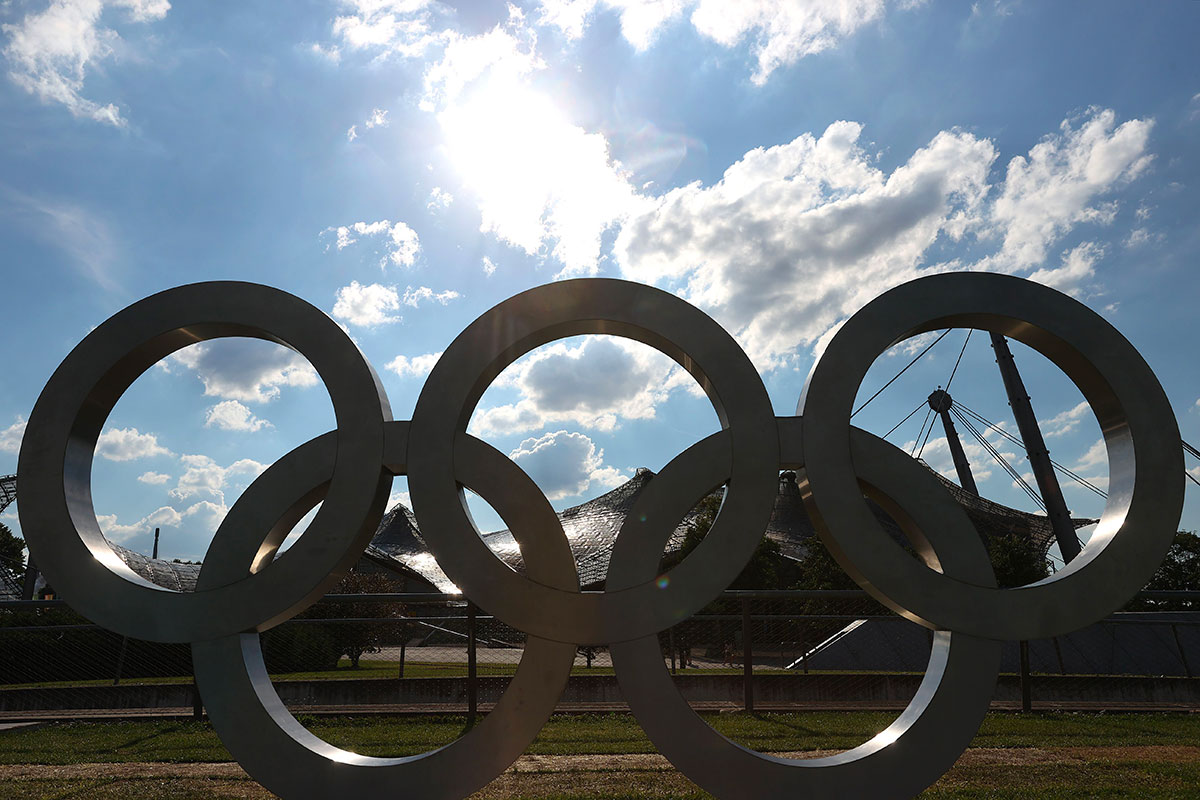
(246, 585)
(542, 315)
(1145, 463)
(266, 739)
(55, 464)
(900, 761)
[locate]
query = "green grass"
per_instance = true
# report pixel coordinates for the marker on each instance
(1119, 775)
(193, 742)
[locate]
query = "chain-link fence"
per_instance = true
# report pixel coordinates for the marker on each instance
(761, 649)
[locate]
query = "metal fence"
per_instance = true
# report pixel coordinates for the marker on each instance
(762, 649)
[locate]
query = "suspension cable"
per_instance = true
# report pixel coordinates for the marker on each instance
(901, 372)
(959, 359)
(920, 433)
(1012, 472)
(906, 419)
(1060, 467)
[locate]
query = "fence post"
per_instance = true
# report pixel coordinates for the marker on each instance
(472, 677)
(1026, 695)
(671, 647)
(1187, 668)
(747, 657)
(121, 660)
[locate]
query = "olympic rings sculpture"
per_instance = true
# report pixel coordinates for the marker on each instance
(244, 588)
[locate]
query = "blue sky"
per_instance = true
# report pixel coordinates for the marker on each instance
(406, 165)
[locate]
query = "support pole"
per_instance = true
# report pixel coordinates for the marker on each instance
(747, 658)
(941, 402)
(472, 676)
(1035, 447)
(31, 576)
(155, 544)
(1026, 691)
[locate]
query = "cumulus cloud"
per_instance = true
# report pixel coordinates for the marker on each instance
(779, 33)
(204, 476)
(439, 198)
(129, 444)
(402, 28)
(539, 180)
(351, 135)
(1096, 455)
(795, 237)
(378, 118)
(489, 266)
(50, 53)
(401, 243)
(10, 437)
(246, 370)
(154, 478)
(165, 517)
(1065, 422)
(421, 294)
(414, 367)
(230, 415)
(595, 384)
(936, 454)
(565, 464)
(1060, 183)
(366, 306)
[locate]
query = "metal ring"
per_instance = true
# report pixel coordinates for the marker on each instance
(1145, 494)
(56, 462)
(282, 755)
(542, 315)
(927, 738)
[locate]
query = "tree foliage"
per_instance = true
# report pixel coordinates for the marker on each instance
(12, 551)
(1180, 571)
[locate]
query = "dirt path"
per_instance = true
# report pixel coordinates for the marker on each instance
(643, 762)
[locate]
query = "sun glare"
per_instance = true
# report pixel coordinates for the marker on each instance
(534, 173)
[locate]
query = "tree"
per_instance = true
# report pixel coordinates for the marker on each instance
(12, 551)
(1180, 570)
(352, 639)
(1017, 560)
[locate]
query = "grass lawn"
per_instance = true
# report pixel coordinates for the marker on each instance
(1014, 755)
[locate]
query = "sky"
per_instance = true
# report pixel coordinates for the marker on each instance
(405, 165)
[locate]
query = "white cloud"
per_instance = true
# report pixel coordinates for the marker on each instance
(1065, 422)
(439, 198)
(1078, 265)
(165, 517)
(415, 367)
(1058, 185)
(936, 454)
(596, 384)
(780, 33)
(539, 180)
(414, 297)
(378, 118)
(128, 444)
(366, 306)
(399, 498)
(1140, 237)
(246, 370)
(10, 437)
(203, 475)
(795, 237)
(230, 415)
(1097, 455)
(50, 53)
(154, 478)
(351, 135)
(489, 266)
(401, 242)
(389, 27)
(565, 464)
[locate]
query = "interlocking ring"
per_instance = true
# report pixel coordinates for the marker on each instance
(243, 586)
